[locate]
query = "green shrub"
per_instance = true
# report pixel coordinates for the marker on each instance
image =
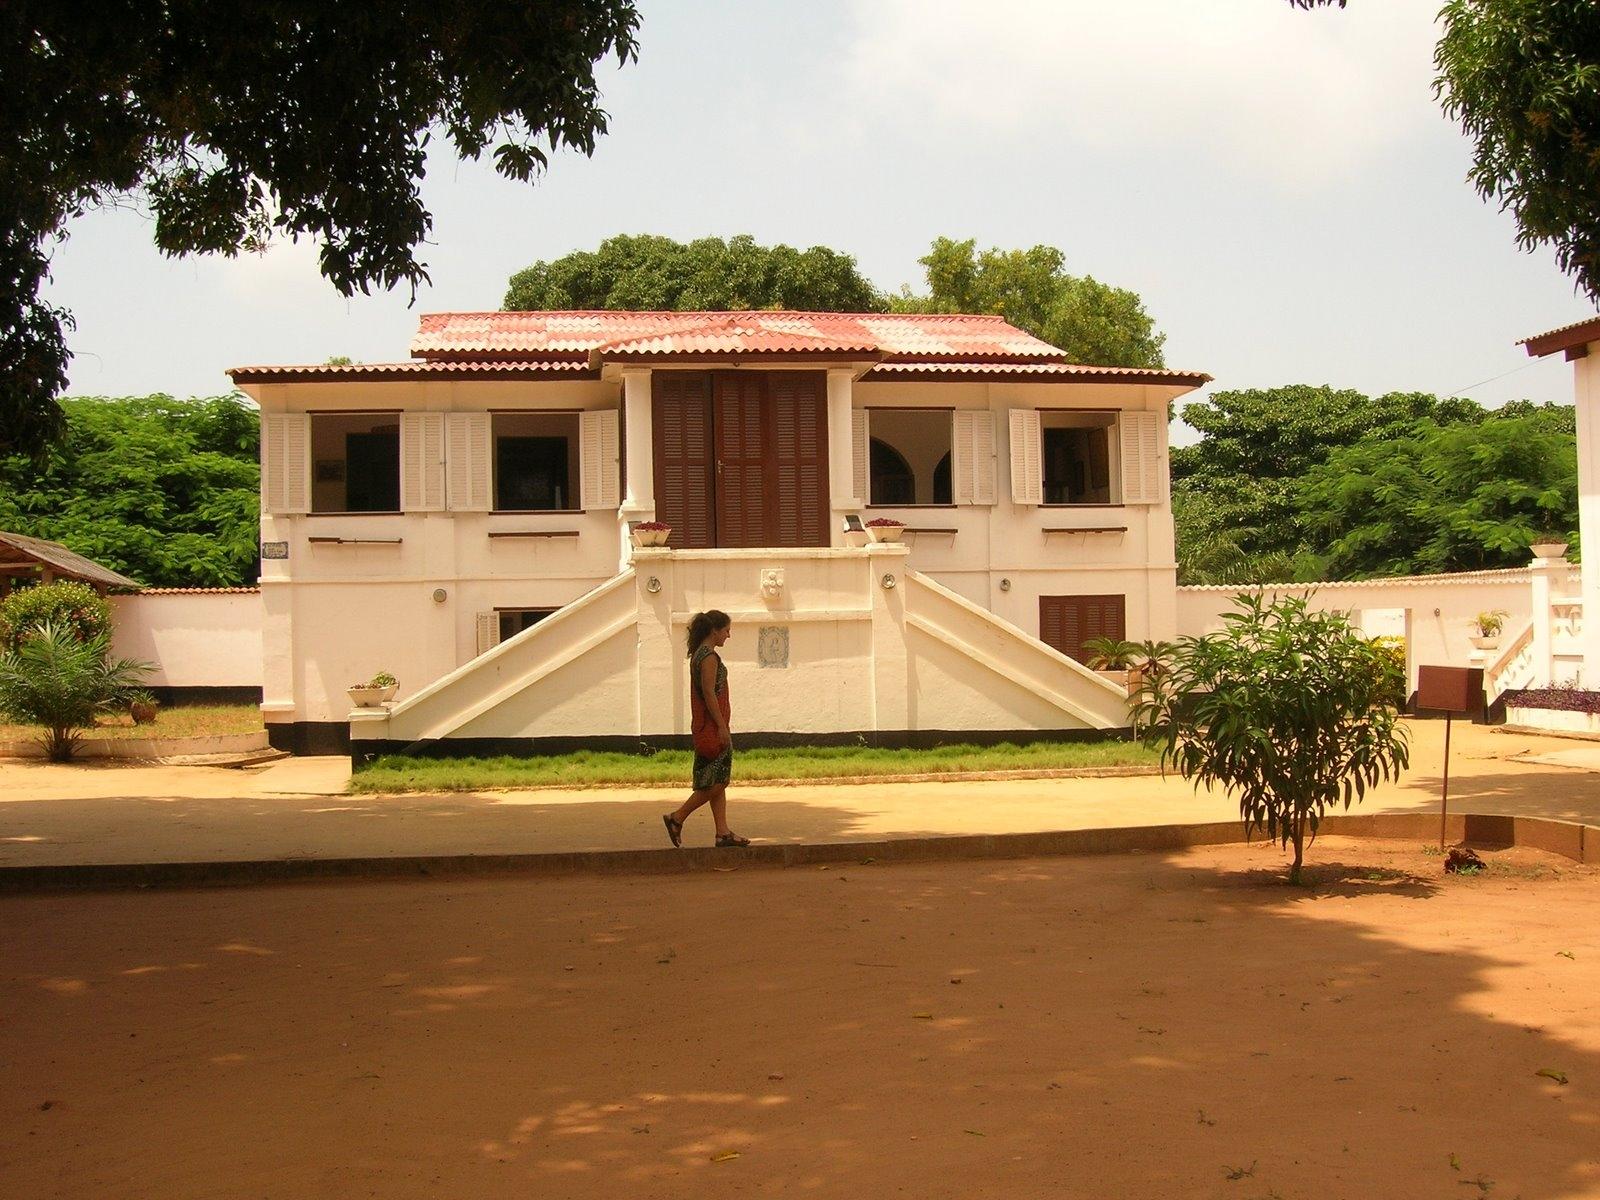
(75, 607)
(62, 682)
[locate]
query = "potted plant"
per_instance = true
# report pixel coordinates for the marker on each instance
(886, 529)
(142, 707)
(1548, 543)
(379, 690)
(651, 533)
(1487, 626)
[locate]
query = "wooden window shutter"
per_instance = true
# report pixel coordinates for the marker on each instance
(972, 458)
(1141, 457)
(681, 443)
(1027, 459)
(467, 462)
(797, 459)
(488, 631)
(421, 462)
(860, 456)
(1069, 623)
(286, 463)
(599, 455)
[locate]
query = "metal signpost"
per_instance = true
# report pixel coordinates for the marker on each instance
(1449, 690)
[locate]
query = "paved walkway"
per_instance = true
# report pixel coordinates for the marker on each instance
(296, 808)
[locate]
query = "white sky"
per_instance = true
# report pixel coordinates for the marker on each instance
(1279, 186)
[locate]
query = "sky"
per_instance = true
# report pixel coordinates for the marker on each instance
(1280, 187)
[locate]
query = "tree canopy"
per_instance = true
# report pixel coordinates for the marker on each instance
(1309, 483)
(651, 273)
(166, 491)
(286, 117)
(1092, 321)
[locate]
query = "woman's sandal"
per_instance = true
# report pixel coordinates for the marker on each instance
(674, 828)
(731, 839)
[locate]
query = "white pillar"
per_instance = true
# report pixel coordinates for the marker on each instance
(639, 492)
(841, 452)
(1587, 400)
(1543, 575)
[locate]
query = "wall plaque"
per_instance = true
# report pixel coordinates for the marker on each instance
(772, 646)
(274, 549)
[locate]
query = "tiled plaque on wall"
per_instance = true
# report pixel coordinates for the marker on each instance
(772, 646)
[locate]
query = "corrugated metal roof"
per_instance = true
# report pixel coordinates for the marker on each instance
(1579, 333)
(200, 591)
(891, 335)
(415, 369)
(19, 548)
(1046, 372)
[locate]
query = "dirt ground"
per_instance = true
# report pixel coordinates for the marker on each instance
(1139, 1026)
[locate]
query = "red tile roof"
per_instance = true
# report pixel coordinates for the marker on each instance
(1568, 337)
(1038, 372)
(614, 335)
(200, 591)
(416, 369)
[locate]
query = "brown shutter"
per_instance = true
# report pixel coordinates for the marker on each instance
(1069, 622)
(682, 443)
(744, 467)
(798, 424)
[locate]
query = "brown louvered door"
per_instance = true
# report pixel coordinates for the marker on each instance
(1068, 622)
(798, 429)
(685, 457)
(744, 469)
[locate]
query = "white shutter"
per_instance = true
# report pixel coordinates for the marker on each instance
(488, 631)
(468, 462)
(286, 463)
(972, 458)
(1141, 457)
(860, 455)
(1027, 469)
(421, 462)
(598, 456)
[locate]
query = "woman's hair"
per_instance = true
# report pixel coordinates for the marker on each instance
(703, 625)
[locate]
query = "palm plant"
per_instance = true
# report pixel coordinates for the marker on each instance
(62, 682)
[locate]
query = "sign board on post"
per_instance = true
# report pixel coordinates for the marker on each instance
(1449, 690)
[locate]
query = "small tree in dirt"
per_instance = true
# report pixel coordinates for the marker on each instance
(62, 682)
(1291, 710)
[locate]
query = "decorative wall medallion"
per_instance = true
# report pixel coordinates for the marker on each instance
(772, 646)
(772, 582)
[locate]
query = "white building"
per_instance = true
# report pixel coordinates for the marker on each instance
(462, 520)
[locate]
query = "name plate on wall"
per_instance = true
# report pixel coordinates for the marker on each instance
(274, 549)
(772, 646)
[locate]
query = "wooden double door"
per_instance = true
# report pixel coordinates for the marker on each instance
(741, 457)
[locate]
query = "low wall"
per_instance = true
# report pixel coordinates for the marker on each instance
(1434, 613)
(204, 643)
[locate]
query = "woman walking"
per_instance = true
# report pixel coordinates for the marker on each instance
(713, 740)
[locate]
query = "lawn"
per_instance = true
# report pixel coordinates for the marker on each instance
(398, 773)
(180, 721)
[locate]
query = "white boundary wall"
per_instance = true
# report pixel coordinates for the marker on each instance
(195, 637)
(1438, 610)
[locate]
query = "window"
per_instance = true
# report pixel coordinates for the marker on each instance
(535, 462)
(1079, 457)
(514, 620)
(355, 462)
(1069, 623)
(909, 456)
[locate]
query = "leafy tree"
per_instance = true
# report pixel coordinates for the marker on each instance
(651, 273)
(166, 491)
(1445, 497)
(67, 604)
(1092, 321)
(288, 117)
(1290, 710)
(1523, 78)
(1235, 493)
(62, 682)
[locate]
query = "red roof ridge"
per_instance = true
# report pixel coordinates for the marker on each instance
(706, 312)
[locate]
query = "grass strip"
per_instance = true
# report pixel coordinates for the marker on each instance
(182, 720)
(399, 773)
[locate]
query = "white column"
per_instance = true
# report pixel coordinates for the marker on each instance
(1587, 400)
(639, 489)
(841, 452)
(1543, 576)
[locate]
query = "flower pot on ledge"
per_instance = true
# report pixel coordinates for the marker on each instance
(886, 533)
(366, 696)
(651, 537)
(1482, 641)
(1549, 549)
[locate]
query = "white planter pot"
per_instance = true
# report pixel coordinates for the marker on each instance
(1549, 549)
(651, 537)
(372, 697)
(886, 533)
(1485, 642)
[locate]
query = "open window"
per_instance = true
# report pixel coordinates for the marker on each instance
(909, 452)
(502, 624)
(1079, 457)
(355, 462)
(536, 462)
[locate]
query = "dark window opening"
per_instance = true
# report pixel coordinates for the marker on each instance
(535, 462)
(909, 451)
(514, 620)
(355, 462)
(1077, 451)
(892, 480)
